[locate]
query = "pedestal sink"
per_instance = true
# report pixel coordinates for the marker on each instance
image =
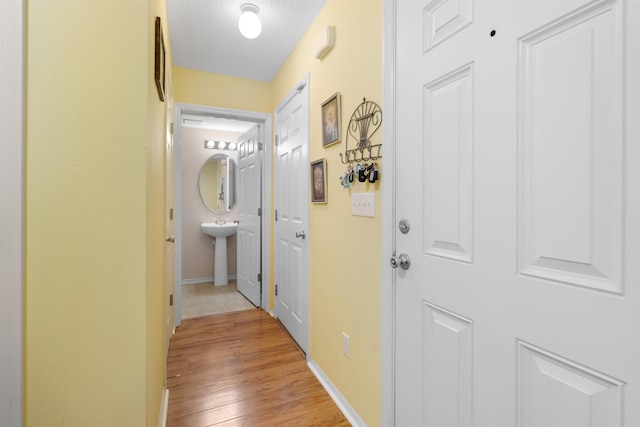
(220, 232)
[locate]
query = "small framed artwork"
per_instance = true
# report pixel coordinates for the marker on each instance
(159, 73)
(331, 120)
(319, 181)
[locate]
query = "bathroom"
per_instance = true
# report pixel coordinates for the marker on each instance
(205, 143)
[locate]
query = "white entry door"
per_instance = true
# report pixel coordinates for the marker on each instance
(518, 172)
(291, 170)
(249, 215)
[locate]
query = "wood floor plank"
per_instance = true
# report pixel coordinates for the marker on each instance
(243, 369)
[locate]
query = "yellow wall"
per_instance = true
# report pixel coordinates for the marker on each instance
(91, 147)
(218, 90)
(156, 296)
(345, 280)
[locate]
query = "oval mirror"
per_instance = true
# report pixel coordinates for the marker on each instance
(217, 183)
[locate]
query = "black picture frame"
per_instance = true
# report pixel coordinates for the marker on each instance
(331, 120)
(159, 69)
(319, 181)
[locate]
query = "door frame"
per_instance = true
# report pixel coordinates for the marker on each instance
(388, 280)
(263, 119)
(169, 220)
(12, 173)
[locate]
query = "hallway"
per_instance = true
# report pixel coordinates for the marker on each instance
(243, 369)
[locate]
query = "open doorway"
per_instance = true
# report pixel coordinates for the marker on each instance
(186, 114)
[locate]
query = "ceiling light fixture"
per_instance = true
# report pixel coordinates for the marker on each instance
(249, 22)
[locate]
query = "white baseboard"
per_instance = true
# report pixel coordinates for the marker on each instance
(350, 414)
(164, 407)
(205, 279)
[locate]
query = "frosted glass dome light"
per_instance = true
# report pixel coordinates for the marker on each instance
(249, 22)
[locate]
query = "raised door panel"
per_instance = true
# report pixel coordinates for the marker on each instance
(448, 160)
(444, 18)
(447, 379)
(554, 391)
(571, 168)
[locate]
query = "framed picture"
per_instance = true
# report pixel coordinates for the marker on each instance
(331, 120)
(159, 73)
(319, 181)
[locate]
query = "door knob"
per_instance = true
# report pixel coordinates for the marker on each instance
(300, 234)
(171, 239)
(403, 261)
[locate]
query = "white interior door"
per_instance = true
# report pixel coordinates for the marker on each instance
(291, 169)
(249, 215)
(517, 165)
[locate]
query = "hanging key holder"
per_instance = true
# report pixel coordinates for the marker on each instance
(360, 154)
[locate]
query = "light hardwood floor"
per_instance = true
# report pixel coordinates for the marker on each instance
(243, 369)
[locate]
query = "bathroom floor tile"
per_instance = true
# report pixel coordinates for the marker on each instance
(204, 299)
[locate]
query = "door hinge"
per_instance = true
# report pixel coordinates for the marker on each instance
(276, 214)
(259, 277)
(171, 299)
(276, 290)
(260, 147)
(259, 211)
(171, 128)
(277, 140)
(171, 214)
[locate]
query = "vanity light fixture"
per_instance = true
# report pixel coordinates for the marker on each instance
(249, 22)
(220, 145)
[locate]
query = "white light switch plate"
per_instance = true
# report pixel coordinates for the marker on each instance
(362, 204)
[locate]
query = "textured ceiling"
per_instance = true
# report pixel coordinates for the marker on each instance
(204, 35)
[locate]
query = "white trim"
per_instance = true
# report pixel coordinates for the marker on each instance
(251, 116)
(12, 119)
(177, 214)
(164, 408)
(387, 377)
(205, 279)
(350, 414)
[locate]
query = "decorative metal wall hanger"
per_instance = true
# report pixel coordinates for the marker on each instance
(364, 123)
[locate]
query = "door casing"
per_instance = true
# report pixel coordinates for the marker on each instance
(249, 116)
(12, 146)
(387, 315)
